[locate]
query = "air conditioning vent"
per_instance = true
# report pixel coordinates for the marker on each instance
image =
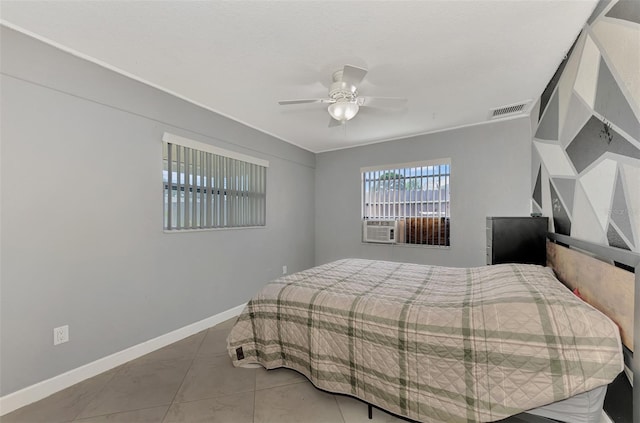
(381, 231)
(512, 109)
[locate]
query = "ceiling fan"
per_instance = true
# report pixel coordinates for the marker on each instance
(344, 101)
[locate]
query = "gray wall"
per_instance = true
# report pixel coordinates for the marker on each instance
(81, 230)
(489, 176)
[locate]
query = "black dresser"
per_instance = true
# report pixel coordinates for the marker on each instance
(517, 240)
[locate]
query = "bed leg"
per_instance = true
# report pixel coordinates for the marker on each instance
(370, 411)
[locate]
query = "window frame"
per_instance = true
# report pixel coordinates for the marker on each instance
(221, 165)
(391, 208)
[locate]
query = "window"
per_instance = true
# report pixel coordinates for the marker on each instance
(208, 187)
(416, 195)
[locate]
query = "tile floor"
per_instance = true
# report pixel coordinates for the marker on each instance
(193, 381)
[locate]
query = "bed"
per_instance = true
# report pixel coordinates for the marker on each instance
(435, 343)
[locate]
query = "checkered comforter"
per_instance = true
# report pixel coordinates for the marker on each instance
(431, 343)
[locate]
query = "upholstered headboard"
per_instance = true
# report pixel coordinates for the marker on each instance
(614, 291)
(608, 288)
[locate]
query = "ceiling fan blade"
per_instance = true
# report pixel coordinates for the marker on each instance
(311, 100)
(333, 122)
(353, 75)
(382, 101)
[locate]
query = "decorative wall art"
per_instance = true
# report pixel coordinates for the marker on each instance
(586, 147)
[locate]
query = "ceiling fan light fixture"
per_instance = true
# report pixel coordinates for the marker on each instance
(344, 110)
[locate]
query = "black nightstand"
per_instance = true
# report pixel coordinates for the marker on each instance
(517, 240)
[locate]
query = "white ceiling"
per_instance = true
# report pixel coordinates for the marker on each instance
(452, 60)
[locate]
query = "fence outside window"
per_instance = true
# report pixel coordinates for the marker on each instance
(415, 194)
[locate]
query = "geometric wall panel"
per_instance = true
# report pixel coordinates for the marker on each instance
(535, 163)
(591, 143)
(561, 221)
(537, 189)
(548, 127)
(614, 239)
(588, 181)
(620, 145)
(577, 115)
(587, 76)
(598, 186)
(602, 4)
(554, 159)
(547, 210)
(551, 86)
(631, 175)
(565, 86)
(566, 189)
(627, 10)
(622, 45)
(585, 224)
(620, 209)
(535, 208)
(611, 104)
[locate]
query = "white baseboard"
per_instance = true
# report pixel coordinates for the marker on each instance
(40, 390)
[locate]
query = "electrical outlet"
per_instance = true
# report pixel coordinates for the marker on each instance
(284, 269)
(61, 335)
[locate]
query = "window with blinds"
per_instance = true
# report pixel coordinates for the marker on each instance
(207, 187)
(415, 195)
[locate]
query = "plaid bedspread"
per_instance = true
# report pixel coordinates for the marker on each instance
(431, 343)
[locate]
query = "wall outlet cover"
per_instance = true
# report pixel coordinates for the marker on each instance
(61, 335)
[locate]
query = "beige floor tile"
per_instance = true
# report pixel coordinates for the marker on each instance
(214, 343)
(139, 385)
(226, 325)
(215, 376)
(147, 415)
(300, 402)
(62, 406)
(183, 349)
(355, 411)
(236, 408)
(277, 377)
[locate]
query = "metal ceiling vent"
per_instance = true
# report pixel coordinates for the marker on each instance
(512, 109)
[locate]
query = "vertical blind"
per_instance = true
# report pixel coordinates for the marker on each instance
(414, 194)
(207, 187)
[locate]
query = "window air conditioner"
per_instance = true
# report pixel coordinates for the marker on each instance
(382, 231)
